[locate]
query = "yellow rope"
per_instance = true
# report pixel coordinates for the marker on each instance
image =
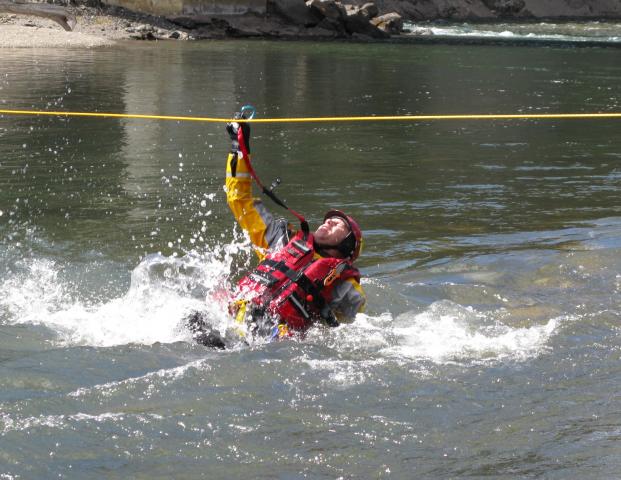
(396, 118)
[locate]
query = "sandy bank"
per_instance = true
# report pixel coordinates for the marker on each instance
(20, 36)
(95, 27)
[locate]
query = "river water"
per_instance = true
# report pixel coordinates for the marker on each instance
(491, 343)
(601, 33)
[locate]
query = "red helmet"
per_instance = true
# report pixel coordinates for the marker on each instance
(352, 244)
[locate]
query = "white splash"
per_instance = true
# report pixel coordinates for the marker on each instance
(162, 292)
(11, 424)
(448, 333)
(33, 294)
(165, 375)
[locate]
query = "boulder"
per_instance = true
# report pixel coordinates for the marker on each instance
(505, 7)
(191, 22)
(318, 32)
(328, 9)
(295, 11)
(332, 25)
(391, 23)
(357, 22)
(359, 37)
(216, 28)
(369, 10)
(185, 22)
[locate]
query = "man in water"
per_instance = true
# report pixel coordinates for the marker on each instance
(302, 277)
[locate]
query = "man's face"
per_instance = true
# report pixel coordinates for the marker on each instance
(332, 232)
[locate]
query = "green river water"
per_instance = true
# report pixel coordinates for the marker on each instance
(490, 345)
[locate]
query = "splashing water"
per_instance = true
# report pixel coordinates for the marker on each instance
(163, 290)
(443, 333)
(447, 332)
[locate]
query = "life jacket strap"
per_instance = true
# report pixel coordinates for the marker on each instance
(264, 278)
(308, 287)
(283, 268)
(297, 303)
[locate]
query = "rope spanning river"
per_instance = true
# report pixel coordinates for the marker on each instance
(490, 346)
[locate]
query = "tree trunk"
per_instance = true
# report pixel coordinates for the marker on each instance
(59, 14)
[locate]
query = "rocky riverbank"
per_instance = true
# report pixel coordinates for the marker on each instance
(287, 19)
(315, 19)
(496, 10)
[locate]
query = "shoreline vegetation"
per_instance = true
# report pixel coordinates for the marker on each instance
(104, 25)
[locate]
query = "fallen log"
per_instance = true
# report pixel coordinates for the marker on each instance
(53, 12)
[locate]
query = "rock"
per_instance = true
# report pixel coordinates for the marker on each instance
(351, 8)
(332, 25)
(185, 22)
(174, 35)
(295, 11)
(391, 23)
(328, 9)
(357, 22)
(244, 32)
(221, 23)
(144, 36)
(361, 38)
(505, 7)
(190, 22)
(369, 10)
(211, 28)
(318, 32)
(207, 32)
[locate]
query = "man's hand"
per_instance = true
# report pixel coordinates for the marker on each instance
(233, 131)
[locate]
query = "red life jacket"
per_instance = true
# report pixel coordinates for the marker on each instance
(294, 285)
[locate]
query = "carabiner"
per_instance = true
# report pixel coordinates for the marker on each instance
(248, 108)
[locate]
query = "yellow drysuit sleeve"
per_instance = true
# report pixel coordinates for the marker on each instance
(265, 231)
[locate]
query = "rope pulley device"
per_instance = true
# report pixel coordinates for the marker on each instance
(275, 184)
(248, 108)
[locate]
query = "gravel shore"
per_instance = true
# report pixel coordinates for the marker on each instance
(94, 28)
(18, 36)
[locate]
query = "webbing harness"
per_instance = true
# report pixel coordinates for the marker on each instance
(309, 287)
